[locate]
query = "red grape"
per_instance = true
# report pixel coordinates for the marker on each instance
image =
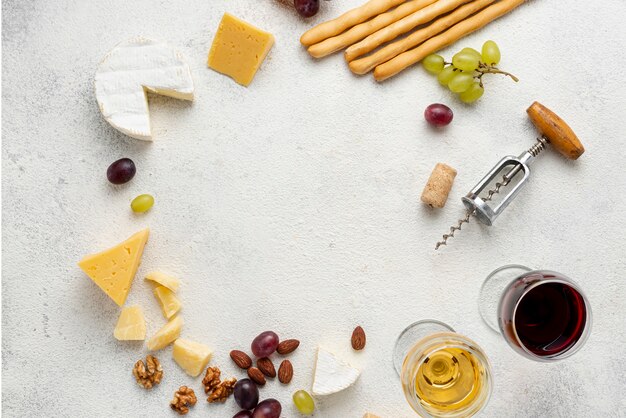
(121, 171)
(246, 393)
(307, 8)
(269, 408)
(243, 414)
(438, 114)
(264, 344)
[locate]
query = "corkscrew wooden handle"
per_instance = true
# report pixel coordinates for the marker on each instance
(558, 133)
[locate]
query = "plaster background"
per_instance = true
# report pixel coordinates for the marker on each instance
(293, 205)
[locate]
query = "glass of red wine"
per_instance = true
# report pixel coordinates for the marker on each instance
(542, 314)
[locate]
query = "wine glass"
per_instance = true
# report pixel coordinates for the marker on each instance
(443, 374)
(542, 314)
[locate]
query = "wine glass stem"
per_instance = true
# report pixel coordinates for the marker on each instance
(413, 334)
(492, 289)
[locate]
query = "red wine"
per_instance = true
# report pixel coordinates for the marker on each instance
(550, 318)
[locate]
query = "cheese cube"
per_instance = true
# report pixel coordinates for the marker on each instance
(239, 49)
(368, 415)
(163, 279)
(113, 270)
(191, 356)
(131, 325)
(170, 304)
(166, 335)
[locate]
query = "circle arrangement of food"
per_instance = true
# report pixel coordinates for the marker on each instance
(326, 208)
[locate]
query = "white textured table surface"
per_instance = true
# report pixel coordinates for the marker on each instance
(293, 205)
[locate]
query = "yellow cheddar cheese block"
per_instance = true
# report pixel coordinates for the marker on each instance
(191, 356)
(167, 334)
(170, 305)
(131, 325)
(239, 49)
(163, 279)
(113, 270)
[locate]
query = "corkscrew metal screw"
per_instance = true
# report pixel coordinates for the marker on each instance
(554, 131)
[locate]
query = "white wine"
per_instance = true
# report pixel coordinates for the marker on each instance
(449, 379)
(446, 375)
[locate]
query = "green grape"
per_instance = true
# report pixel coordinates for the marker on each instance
(472, 51)
(304, 402)
(433, 63)
(465, 61)
(446, 75)
(491, 53)
(460, 82)
(142, 203)
(473, 93)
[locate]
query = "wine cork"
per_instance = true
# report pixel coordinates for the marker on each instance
(438, 187)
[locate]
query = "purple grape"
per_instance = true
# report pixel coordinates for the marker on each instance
(307, 8)
(269, 408)
(264, 344)
(121, 171)
(246, 393)
(438, 114)
(243, 414)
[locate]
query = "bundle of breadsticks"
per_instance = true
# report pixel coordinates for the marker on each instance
(391, 35)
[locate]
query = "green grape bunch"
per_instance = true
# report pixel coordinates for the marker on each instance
(464, 75)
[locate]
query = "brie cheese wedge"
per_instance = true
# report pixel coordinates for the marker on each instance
(331, 374)
(128, 72)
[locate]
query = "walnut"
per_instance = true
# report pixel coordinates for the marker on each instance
(211, 379)
(222, 391)
(148, 374)
(184, 397)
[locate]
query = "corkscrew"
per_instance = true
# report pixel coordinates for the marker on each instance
(554, 131)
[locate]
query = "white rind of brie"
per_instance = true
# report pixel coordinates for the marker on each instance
(331, 374)
(130, 70)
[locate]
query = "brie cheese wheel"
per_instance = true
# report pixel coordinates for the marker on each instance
(331, 374)
(128, 72)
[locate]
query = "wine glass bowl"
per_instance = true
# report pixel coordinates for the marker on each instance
(443, 374)
(544, 315)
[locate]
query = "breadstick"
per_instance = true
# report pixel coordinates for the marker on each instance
(365, 64)
(456, 32)
(401, 26)
(360, 31)
(346, 20)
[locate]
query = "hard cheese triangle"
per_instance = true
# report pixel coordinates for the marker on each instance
(113, 270)
(331, 374)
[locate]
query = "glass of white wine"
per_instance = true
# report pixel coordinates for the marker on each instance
(443, 374)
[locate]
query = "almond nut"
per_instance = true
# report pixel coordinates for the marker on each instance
(241, 359)
(285, 372)
(358, 338)
(287, 346)
(266, 366)
(256, 375)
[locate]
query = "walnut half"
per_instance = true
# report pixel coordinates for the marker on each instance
(217, 390)
(222, 391)
(148, 374)
(211, 379)
(184, 397)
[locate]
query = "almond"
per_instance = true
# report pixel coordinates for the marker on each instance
(256, 375)
(266, 366)
(285, 372)
(358, 338)
(241, 359)
(287, 346)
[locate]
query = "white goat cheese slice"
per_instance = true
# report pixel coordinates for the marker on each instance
(331, 374)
